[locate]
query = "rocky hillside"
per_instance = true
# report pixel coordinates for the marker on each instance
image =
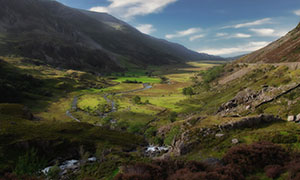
(285, 49)
(78, 39)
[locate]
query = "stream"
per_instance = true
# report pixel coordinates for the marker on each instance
(146, 86)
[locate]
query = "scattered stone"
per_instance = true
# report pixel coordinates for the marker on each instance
(297, 118)
(291, 118)
(248, 107)
(219, 135)
(235, 141)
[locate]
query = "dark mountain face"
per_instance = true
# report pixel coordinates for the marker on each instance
(71, 38)
(285, 49)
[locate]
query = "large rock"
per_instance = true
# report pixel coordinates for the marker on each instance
(297, 118)
(250, 122)
(235, 141)
(291, 118)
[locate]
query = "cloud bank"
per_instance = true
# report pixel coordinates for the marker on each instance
(297, 12)
(128, 9)
(251, 46)
(183, 33)
(250, 24)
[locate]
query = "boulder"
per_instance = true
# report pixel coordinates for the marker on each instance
(291, 118)
(235, 141)
(297, 118)
(219, 135)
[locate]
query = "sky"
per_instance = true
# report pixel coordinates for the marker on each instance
(219, 27)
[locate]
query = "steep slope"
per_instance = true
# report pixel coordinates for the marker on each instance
(71, 38)
(285, 49)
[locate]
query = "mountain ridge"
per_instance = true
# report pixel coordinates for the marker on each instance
(80, 39)
(285, 49)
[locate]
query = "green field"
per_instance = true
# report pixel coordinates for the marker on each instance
(142, 79)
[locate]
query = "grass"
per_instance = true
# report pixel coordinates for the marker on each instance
(142, 79)
(57, 138)
(90, 102)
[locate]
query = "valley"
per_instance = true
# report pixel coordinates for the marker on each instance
(86, 96)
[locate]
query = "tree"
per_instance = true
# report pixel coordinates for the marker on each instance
(188, 91)
(137, 100)
(173, 116)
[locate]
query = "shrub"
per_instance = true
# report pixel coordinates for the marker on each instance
(29, 164)
(135, 127)
(10, 176)
(250, 158)
(137, 99)
(212, 74)
(53, 173)
(294, 169)
(188, 91)
(274, 171)
(173, 116)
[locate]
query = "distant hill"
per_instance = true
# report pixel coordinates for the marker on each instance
(285, 49)
(79, 39)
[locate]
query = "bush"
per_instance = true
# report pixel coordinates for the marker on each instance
(212, 74)
(274, 171)
(135, 128)
(173, 116)
(250, 158)
(188, 91)
(53, 173)
(178, 170)
(29, 164)
(137, 100)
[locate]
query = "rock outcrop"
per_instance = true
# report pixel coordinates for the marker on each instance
(183, 144)
(249, 100)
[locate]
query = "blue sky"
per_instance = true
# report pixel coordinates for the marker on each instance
(219, 27)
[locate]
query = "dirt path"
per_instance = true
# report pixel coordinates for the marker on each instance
(251, 66)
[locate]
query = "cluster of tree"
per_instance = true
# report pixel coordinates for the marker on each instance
(212, 74)
(138, 100)
(163, 80)
(132, 81)
(239, 163)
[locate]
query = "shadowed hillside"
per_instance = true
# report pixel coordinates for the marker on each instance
(78, 39)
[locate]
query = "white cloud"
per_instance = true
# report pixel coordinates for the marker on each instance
(127, 9)
(228, 36)
(193, 38)
(146, 28)
(249, 24)
(263, 32)
(183, 33)
(268, 32)
(251, 46)
(241, 35)
(221, 34)
(297, 12)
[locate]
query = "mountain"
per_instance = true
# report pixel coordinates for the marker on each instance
(285, 49)
(79, 39)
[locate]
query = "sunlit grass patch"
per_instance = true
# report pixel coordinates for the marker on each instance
(125, 103)
(57, 110)
(90, 102)
(121, 88)
(168, 101)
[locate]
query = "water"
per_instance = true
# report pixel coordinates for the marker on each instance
(69, 164)
(153, 149)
